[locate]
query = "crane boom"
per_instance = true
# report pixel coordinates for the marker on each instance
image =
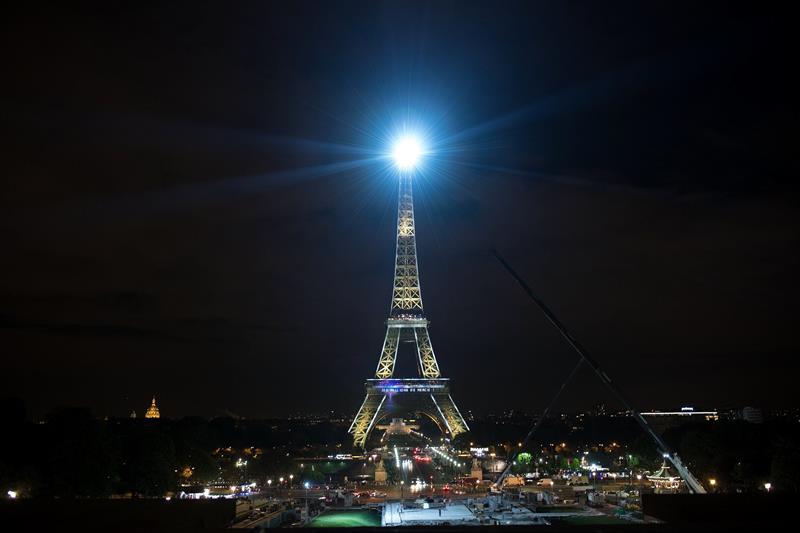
(694, 485)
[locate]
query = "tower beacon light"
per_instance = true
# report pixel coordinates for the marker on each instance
(407, 152)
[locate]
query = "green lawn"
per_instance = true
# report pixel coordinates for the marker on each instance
(347, 519)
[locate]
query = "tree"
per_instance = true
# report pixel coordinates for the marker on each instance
(785, 466)
(77, 456)
(149, 462)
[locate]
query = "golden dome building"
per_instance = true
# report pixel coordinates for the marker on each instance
(152, 411)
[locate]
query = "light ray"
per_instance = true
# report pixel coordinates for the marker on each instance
(676, 66)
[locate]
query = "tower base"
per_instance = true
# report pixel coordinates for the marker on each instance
(407, 398)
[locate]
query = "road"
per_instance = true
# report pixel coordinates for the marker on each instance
(427, 468)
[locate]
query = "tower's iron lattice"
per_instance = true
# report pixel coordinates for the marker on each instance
(428, 394)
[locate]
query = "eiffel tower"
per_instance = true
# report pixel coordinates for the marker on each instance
(429, 393)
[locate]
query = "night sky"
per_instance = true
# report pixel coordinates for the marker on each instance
(185, 209)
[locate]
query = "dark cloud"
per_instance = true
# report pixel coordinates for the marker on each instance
(41, 328)
(124, 301)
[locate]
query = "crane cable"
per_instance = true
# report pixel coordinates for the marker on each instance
(693, 483)
(538, 423)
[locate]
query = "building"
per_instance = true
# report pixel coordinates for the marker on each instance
(752, 415)
(152, 411)
(662, 420)
(686, 412)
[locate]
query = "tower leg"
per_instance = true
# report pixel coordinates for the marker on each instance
(449, 412)
(388, 354)
(367, 415)
(428, 366)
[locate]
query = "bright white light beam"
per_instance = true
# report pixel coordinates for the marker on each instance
(407, 152)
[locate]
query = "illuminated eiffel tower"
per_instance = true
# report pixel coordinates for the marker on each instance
(428, 394)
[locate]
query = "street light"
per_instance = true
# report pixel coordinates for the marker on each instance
(402, 495)
(767, 486)
(269, 483)
(306, 486)
(712, 482)
(291, 477)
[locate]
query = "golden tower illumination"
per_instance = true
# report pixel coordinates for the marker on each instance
(152, 411)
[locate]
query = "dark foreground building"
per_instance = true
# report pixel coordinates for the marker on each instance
(116, 515)
(678, 512)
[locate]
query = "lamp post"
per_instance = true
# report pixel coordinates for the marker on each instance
(291, 477)
(767, 486)
(306, 487)
(712, 483)
(402, 496)
(630, 467)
